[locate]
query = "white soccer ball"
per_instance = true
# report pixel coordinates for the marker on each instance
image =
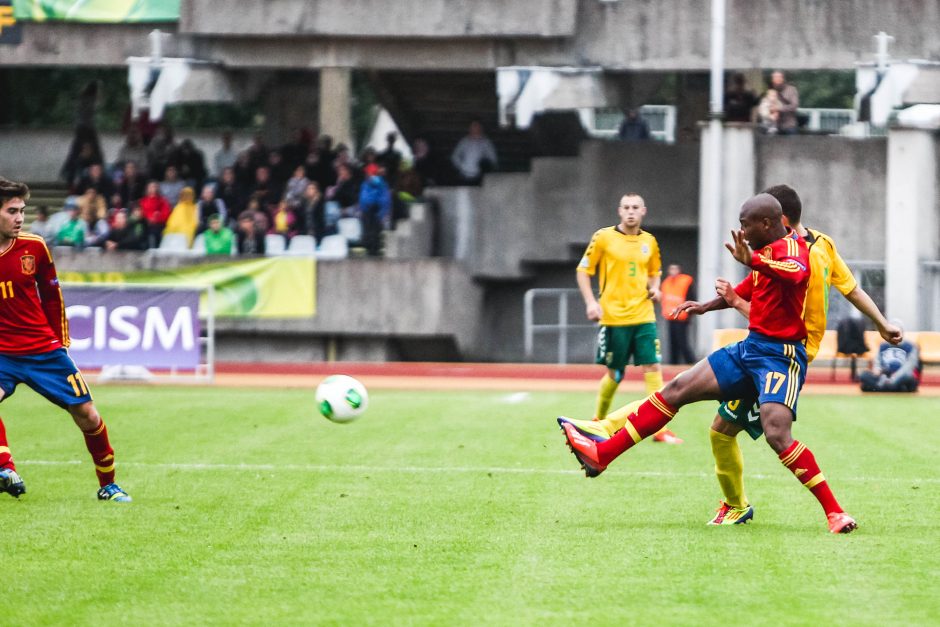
(341, 398)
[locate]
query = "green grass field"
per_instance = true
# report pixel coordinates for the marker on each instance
(456, 509)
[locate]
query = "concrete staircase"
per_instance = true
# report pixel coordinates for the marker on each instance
(49, 193)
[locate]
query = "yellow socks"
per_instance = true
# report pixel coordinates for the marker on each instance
(729, 468)
(654, 381)
(615, 420)
(605, 395)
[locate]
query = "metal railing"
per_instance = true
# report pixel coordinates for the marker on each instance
(828, 120)
(564, 297)
(605, 121)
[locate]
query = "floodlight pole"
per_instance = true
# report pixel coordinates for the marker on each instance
(710, 212)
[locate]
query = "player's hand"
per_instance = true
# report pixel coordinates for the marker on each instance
(740, 249)
(724, 289)
(654, 295)
(892, 334)
(691, 307)
(594, 311)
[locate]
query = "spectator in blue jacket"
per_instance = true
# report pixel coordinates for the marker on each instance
(375, 207)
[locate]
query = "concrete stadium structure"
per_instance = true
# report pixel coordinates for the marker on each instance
(878, 197)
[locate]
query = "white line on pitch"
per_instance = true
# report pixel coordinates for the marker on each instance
(445, 469)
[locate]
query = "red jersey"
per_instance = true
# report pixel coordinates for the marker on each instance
(32, 313)
(776, 288)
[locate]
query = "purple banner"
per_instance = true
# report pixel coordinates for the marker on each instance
(153, 328)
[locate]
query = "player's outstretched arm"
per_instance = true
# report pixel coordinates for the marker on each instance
(863, 302)
(726, 291)
(696, 308)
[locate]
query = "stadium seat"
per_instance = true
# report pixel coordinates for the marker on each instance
(929, 345)
(274, 244)
(350, 228)
(173, 244)
(199, 245)
(302, 245)
(723, 337)
(333, 247)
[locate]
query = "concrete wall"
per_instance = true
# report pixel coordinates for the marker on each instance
(842, 183)
(484, 34)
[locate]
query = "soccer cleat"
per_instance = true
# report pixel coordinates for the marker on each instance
(840, 522)
(588, 428)
(11, 483)
(584, 449)
(113, 492)
(667, 437)
(727, 515)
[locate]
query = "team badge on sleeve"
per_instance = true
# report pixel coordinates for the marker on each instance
(28, 264)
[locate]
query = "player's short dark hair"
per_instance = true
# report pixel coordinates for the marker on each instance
(789, 201)
(11, 189)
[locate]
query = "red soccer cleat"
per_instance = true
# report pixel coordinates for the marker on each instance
(667, 437)
(584, 449)
(840, 522)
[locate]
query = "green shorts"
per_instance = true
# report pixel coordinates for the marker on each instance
(617, 345)
(745, 414)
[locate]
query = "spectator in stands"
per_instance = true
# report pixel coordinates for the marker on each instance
(283, 221)
(41, 225)
(190, 164)
(96, 178)
(218, 238)
(133, 149)
(73, 232)
(250, 239)
(160, 150)
(132, 184)
(257, 153)
(156, 211)
(265, 189)
(60, 217)
(244, 173)
(92, 206)
(320, 163)
(210, 205)
(346, 190)
(375, 208)
(225, 156)
(768, 112)
(171, 185)
(390, 159)
(429, 166)
(114, 205)
(278, 170)
(232, 194)
(311, 216)
(183, 219)
(633, 128)
(76, 165)
(740, 100)
(474, 155)
(788, 102)
(294, 153)
(296, 184)
(127, 233)
(896, 368)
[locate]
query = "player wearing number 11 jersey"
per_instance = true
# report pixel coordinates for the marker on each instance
(33, 341)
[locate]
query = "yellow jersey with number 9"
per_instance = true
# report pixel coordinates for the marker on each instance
(827, 269)
(623, 264)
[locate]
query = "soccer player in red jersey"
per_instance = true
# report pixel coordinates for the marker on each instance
(34, 338)
(772, 359)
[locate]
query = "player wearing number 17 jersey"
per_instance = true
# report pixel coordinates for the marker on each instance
(771, 359)
(33, 341)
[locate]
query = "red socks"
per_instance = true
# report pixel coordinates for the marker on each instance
(101, 453)
(6, 458)
(802, 464)
(651, 416)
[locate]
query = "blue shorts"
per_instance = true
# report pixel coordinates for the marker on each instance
(52, 374)
(761, 366)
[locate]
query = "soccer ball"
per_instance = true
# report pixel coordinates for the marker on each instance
(341, 398)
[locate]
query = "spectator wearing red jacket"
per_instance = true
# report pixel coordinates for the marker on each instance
(156, 211)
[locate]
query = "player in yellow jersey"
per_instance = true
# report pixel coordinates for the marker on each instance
(826, 269)
(627, 263)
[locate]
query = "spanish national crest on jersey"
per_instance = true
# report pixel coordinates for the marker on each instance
(28, 264)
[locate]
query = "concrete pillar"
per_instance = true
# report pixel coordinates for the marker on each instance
(335, 99)
(911, 224)
(738, 180)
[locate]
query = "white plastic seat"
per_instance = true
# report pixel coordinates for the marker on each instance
(173, 244)
(302, 245)
(274, 244)
(199, 245)
(333, 247)
(350, 228)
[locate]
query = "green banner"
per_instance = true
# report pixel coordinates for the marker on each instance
(106, 11)
(274, 287)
